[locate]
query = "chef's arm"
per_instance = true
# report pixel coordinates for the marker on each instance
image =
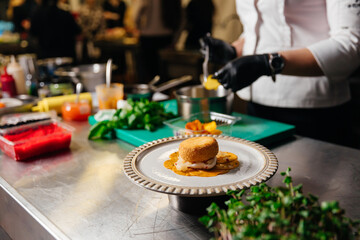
(300, 62)
(339, 55)
(238, 45)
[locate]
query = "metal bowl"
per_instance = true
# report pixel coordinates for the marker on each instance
(195, 99)
(90, 75)
(138, 91)
(25, 104)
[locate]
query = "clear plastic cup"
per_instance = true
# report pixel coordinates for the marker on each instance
(109, 96)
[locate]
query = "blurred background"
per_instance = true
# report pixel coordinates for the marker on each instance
(115, 28)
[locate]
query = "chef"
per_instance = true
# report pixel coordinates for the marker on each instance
(293, 61)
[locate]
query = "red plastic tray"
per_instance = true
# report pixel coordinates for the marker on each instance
(30, 140)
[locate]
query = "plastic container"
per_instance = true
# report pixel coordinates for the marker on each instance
(15, 69)
(223, 122)
(34, 139)
(76, 111)
(109, 96)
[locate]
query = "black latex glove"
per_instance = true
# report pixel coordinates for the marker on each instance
(220, 52)
(243, 71)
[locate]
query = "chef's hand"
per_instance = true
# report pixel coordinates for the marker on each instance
(243, 71)
(220, 52)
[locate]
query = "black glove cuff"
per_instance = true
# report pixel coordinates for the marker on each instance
(233, 54)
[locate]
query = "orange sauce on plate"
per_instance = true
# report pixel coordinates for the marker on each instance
(225, 162)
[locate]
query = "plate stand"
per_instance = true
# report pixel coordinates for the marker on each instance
(195, 205)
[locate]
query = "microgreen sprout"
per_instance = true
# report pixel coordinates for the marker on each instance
(265, 212)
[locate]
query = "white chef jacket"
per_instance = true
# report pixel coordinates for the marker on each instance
(330, 29)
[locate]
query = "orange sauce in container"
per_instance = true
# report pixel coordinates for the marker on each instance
(76, 111)
(109, 96)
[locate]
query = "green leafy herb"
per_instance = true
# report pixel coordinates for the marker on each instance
(279, 213)
(142, 114)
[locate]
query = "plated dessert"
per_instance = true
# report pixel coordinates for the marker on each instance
(200, 156)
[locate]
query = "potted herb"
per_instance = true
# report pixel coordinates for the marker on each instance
(279, 213)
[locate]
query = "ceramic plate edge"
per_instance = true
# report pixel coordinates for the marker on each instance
(269, 169)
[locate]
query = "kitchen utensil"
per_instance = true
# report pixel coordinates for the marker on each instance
(154, 80)
(78, 91)
(138, 91)
(205, 64)
(89, 75)
(108, 72)
(24, 103)
(208, 82)
(195, 99)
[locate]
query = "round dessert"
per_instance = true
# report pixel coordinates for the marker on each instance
(198, 149)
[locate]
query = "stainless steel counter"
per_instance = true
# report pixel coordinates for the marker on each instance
(83, 193)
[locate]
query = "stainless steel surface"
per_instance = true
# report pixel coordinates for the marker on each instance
(83, 193)
(194, 99)
(3, 234)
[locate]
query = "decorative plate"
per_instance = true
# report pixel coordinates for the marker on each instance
(144, 166)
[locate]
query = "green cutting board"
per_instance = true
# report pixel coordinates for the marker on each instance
(250, 128)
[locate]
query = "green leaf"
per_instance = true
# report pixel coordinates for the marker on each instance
(131, 119)
(287, 180)
(255, 189)
(98, 130)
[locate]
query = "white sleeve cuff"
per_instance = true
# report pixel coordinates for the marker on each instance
(338, 57)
